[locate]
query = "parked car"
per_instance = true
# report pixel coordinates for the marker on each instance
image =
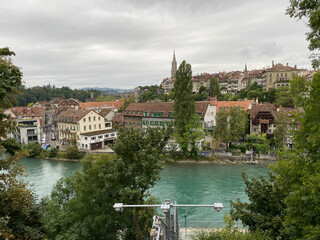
(45, 146)
(53, 137)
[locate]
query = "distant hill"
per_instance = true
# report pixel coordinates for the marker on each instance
(108, 89)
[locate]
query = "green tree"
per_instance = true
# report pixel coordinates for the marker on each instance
(139, 155)
(184, 104)
(10, 80)
(283, 98)
(126, 103)
(230, 125)
(19, 214)
(265, 210)
(53, 152)
(214, 89)
(33, 149)
(270, 95)
(299, 89)
(258, 144)
(72, 151)
(297, 178)
(308, 10)
(105, 98)
(200, 97)
(81, 206)
(281, 132)
(188, 141)
(11, 146)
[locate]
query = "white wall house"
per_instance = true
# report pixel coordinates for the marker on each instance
(29, 131)
(97, 140)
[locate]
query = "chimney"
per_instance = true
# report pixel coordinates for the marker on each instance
(287, 64)
(272, 63)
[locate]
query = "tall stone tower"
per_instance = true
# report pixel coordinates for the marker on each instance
(174, 66)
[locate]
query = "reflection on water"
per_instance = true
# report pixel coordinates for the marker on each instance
(183, 183)
(43, 174)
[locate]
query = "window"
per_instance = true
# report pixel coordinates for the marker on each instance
(94, 118)
(100, 136)
(85, 128)
(99, 126)
(93, 138)
(112, 134)
(84, 119)
(31, 131)
(89, 127)
(99, 118)
(82, 145)
(95, 127)
(86, 145)
(85, 138)
(106, 136)
(151, 123)
(89, 119)
(107, 125)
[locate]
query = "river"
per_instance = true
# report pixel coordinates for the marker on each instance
(183, 183)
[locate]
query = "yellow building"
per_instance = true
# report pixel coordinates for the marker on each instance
(71, 123)
(279, 75)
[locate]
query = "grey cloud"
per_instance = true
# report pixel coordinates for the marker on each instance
(126, 43)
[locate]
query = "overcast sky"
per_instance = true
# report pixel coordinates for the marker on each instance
(127, 43)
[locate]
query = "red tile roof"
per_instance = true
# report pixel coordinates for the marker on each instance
(138, 109)
(265, 107)
(22, 112)
(279, 66)
(71, 115)
(246, 104)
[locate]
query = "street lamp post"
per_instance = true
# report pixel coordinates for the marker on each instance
(171, 226)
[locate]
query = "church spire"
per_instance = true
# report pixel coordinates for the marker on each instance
(245, 68)
(174, 65)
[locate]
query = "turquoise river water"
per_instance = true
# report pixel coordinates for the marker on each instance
(184, 183)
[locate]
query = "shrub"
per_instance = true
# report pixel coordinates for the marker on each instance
(53, 152)
(73, 153)
(33, 149)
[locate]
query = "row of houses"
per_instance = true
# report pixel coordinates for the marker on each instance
(278, 75)
(62, 120)
(92, 124)
(262, 117)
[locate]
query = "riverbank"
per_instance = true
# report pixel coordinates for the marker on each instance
(218, 160)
